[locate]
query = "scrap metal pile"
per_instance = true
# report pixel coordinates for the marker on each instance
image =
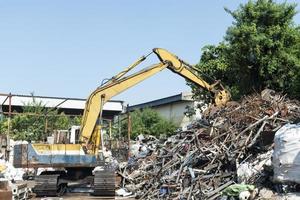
(204, 160)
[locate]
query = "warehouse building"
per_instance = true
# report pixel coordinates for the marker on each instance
(11, 104)
(173, 108)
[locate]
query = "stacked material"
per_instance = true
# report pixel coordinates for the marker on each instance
(229, 145)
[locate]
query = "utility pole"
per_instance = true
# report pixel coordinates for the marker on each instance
(129, 131)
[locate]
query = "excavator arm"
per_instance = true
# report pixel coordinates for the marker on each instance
(95, 102)
(178, 66)
(91, 133)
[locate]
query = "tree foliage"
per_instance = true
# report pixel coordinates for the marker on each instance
(260, 49)
(36, 122)
(148, 122)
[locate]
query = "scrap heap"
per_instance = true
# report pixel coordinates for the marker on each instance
(211, 155)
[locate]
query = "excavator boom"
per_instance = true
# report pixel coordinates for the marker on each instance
(90, 136)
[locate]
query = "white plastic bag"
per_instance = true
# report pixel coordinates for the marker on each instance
(286, 156)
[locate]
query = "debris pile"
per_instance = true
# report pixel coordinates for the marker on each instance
(9, 172)
(228, 146)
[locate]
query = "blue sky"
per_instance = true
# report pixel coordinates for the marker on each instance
(65, 48)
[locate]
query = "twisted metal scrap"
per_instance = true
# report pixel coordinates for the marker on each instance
(201, 162)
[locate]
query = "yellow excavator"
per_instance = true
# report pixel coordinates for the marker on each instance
(74, 163)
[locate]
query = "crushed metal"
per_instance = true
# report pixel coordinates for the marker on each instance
(229, 145)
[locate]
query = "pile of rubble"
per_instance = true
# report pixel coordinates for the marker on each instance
(228, 146)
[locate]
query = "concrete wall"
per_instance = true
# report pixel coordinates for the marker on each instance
(175, 112)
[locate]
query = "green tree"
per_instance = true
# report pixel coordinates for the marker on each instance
(3, 125)
(32, 123)
(148, 122)
(29, 125)
(260, 49)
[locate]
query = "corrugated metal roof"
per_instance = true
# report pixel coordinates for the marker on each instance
(59, 102)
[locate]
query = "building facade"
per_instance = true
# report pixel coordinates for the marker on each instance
(173, 108)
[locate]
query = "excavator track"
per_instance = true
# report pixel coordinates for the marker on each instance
(49, 185)
(104, 183)
(55, 183)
